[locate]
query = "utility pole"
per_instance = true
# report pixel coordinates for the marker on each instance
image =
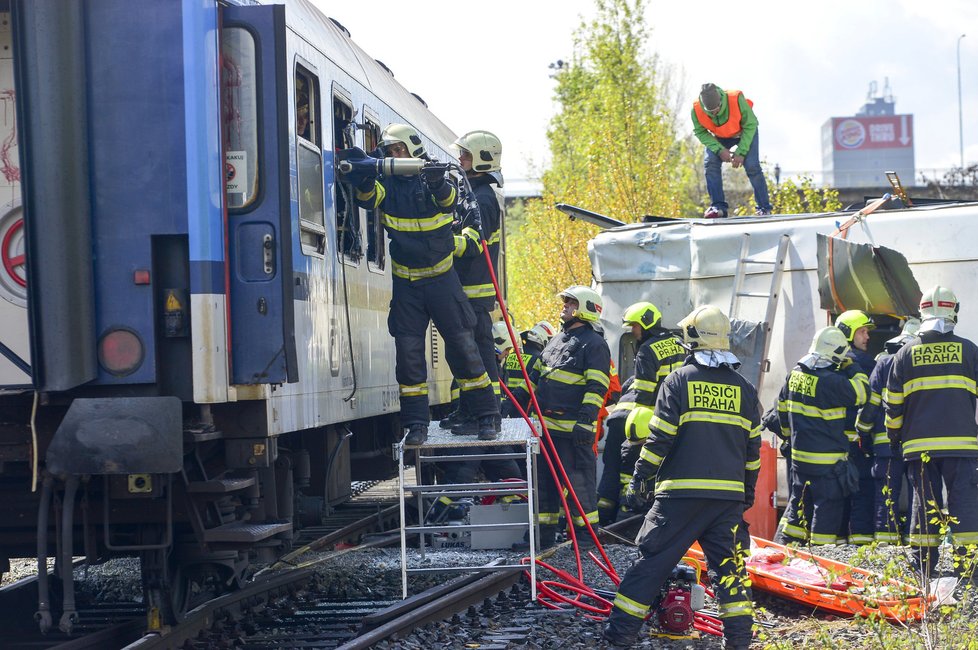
(960, 111)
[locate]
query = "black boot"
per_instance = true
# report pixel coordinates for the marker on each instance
(455, 417)
(618, 639)
(416, 436)
(468, 426)
(487, 428)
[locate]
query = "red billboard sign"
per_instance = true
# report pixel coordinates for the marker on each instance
(875, 132)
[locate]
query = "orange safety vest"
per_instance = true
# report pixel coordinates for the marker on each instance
(730, 128)
(614, 386)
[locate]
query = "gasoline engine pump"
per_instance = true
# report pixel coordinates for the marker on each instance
(681, 596)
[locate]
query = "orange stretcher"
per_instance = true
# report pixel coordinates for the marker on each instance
(826, 584)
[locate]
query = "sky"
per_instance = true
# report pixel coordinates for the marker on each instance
(801, 63)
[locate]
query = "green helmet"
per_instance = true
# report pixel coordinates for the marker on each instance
(830, 343)
(644, 314)
(486, 150)
(404, 134)
(939, 302)
(706, 328)
(850, 321)
(588, 302)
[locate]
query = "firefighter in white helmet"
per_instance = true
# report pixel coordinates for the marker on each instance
(704, 450)
(417, 214)
(480, 156)
(533, 341)
(570, 385)
(930, 409)
(812, 412)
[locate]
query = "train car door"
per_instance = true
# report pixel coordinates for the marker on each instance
(254, 131)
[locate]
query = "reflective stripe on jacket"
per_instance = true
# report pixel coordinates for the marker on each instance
(930, 396)
(812, 408)
(705, 436)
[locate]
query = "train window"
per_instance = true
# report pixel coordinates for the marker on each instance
(309, 160)
(375, 226)
(239, 108)
(348, 238)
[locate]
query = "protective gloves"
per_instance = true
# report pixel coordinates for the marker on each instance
(583, 437)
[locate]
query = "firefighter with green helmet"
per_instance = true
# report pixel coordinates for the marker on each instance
(858, 525)
(812, 409)
(658, 354)
(417, 214)
(704, 405)
(930, 409)
(570, 385)
(534, 340)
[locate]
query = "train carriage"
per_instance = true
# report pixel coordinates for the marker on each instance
(199, 349)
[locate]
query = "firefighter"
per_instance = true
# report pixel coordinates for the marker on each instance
(704, 450)
(534, 341)
(417, 214)
(858, 525)
(888, 466)
(480, 155)
(658, 354)
(812, 411)
(570, 384)
(930, 409)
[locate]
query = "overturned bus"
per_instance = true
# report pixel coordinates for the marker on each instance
(782, 278)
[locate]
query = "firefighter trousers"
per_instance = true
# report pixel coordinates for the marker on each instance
(670, 528)
(888, 474)
(581, 466)
(858, 525)
(610, 486)
(482, 333)
(959, 476)
(814, 509)
(439, 300)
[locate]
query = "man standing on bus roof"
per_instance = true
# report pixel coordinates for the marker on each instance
(417, 213)
(724, 121)
(480, 154)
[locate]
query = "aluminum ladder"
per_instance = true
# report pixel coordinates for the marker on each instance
(771, 296)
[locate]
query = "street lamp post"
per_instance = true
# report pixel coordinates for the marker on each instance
(960, 111)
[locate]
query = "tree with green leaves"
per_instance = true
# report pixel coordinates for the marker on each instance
(616, 149)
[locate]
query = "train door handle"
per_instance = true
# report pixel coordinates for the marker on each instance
(268, 254)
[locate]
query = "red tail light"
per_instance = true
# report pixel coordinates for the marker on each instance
(120, 352)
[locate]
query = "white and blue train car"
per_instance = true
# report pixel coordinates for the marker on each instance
(206, 355)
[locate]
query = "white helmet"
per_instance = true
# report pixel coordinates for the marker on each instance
(588, 302)
(486, 150)
(939, 302)
(706, 328)
(831, 344)
(541, 333)
(909, 331)
(500, 337)
(406, 135)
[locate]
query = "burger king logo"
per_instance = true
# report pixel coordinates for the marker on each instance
(850, 134)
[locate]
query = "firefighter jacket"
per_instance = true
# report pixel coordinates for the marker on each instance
(870, 420)
(470, 261)
(657, 356)
(705, 436)
(571, 380)
(930, 397)
(418, 220)
(812, 408)
(866, 363)
(512, 376)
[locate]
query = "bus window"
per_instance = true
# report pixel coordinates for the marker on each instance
(239, 113)
(375, 227)
(348, 240)
(309, 160)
